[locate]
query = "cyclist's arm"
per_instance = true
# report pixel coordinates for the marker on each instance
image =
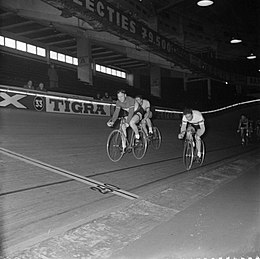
(147, 112)
(116, 113)
(183, 126)
(239, 125)
(201, 130)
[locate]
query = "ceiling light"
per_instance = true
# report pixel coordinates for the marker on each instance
(235, 40)
(205, 2)
(251, 56)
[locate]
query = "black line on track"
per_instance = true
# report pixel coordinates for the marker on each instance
(132, 167)
(185, 171)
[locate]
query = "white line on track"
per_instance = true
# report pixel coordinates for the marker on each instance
(95, 185)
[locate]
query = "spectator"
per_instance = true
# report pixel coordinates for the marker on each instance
(41, 87)
(98, 96)
(53, 77)
(29, 85)
(107, 97)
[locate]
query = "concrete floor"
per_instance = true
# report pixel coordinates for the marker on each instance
(224, 224)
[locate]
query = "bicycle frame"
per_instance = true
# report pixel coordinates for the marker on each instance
(244, 134)
(115, 150)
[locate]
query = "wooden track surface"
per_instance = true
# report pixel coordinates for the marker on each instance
(37, 203)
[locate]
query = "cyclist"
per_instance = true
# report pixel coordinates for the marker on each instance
(243, 127)
(133, 114)
(193, 122)
(145, 104)
(257, 129)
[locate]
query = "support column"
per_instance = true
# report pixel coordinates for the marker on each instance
(155, 76)
(185, 84)
(209, 88)
(85, 69)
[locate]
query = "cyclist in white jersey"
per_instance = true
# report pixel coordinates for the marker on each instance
(192, 121)
(145, 104)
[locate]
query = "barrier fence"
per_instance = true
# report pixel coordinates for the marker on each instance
(17, 98)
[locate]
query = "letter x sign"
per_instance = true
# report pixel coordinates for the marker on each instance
(13, 100)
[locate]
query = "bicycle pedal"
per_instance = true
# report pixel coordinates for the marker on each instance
(197, 159)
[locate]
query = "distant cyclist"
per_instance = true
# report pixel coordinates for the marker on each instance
(243, 127)
(257, 129)
(192, 122)
(146, 121)
(132, 112)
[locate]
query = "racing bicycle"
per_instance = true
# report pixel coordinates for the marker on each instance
(115, 149)
(190, 152)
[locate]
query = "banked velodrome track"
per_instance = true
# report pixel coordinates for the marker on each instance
(43, 157)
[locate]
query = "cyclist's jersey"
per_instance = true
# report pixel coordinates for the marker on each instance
(196, 121)
(243, 123)
(128, 105)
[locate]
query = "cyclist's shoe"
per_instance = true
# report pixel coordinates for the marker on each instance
(197, 159)
(124, 149)
(137, 141)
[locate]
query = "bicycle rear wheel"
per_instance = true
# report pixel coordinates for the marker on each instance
(188, 154)
(114, 146)
(203, 151)
(156, 138)
(140, 147)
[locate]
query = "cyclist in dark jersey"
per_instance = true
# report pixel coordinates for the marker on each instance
(134, 113)
(243, 126)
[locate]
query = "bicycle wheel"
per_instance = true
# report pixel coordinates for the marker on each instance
(114, 146)
(203, 152)
(188, 154)
(140, 147)
(156, 138)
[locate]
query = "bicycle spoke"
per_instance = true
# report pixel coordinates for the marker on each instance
(139, 148)
(188, 155)
(156, 138)
(114, 146)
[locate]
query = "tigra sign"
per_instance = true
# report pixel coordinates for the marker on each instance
(67, 106)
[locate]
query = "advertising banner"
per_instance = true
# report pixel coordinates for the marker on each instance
(49, 103)
(22, 101)
(77, 107)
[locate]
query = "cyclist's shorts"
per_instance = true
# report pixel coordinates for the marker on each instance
(140, 112)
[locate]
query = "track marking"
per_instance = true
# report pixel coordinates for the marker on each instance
(103, 188)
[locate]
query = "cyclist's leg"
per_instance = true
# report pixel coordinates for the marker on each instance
(198, 134)
(242, 132)
(135, 119)
(143, 124)
(124, 136)
(149, 123)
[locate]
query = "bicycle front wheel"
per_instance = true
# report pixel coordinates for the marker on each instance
(114, 146)
(140, 147)
(188, 154)
(156, 138)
